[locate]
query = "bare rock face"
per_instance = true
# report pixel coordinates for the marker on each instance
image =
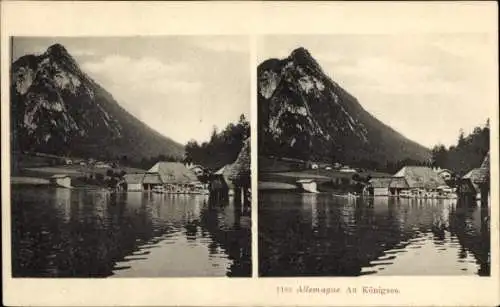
(303, 113)
(57, 108)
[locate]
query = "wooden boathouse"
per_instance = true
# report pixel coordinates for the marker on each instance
(476, 183)
(174, 176)
(235, 177)
(61, 180)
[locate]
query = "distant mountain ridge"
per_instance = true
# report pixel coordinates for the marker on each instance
(57, 108)
(303, 113)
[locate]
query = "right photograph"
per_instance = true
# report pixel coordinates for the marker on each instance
(373, 154)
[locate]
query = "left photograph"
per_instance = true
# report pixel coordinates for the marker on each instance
(130, 156)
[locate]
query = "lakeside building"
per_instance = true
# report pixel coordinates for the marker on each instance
(398, 185)
(444, 173)
(379, 186)
(61, 180)
(235, 177)
(133, 182)
(198, 170)
(221, 181)
(476, 183)
(410, 181)
(347, 169)
(307, 185)
(175, 177)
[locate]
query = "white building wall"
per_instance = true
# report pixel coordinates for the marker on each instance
(380, 191)
(134, 187)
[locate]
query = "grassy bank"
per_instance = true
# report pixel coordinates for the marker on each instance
(81, 175)
(283, 175)
(29, 181)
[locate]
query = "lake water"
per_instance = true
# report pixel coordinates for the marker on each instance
(326, 235)
(88, 233)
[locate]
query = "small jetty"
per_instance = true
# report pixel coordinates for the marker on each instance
(57, 180)
(307, 185)
(347, 195)
(61, 180)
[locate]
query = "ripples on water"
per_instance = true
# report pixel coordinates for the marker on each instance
(82, 233)
(325, 235)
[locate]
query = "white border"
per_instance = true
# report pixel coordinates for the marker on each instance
(253, 19)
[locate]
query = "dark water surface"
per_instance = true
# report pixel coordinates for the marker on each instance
(88, 233)
(326, 235)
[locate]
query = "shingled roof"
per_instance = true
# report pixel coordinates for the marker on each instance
(398, 183)
(241, 168)
(152, 178)
(478, 175)
(173, 172)
(482, 174)
(486, 161)
(421, 177)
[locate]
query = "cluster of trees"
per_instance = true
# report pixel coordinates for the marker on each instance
(222, 148)
(469, 152)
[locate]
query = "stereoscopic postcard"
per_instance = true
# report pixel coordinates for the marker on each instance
(250, 153)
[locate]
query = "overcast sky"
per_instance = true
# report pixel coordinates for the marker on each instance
(425, 86)
(180, 86)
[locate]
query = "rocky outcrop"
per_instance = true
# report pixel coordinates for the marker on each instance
(303, 113)
(57, 108)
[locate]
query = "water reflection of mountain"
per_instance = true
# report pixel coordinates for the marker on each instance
(470, 224)
(324, 235)
(223, 223)
(82, 233)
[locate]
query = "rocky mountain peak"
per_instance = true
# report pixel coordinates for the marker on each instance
(57, 108)
(57, 50)
(303, 57)
(301, 53)
(304, 114)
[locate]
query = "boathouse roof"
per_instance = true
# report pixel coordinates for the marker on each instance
(486, 161)
(152, 178)
(173, 172)
(399, 183)
(240, 169)
(221, 170)
(478, 175)
(420, 177)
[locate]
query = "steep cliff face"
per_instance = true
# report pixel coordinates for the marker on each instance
(57, 108)
(305, 114)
